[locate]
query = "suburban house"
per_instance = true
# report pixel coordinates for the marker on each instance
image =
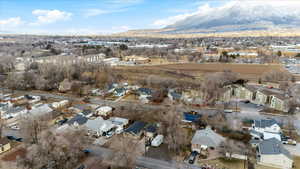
(150, 130)
(99, 127)
(269, 128)
(78, 108)
(174, 95)
(32, 99)
(206, 138)
(120, 123)
(5, 105)
(87, 113)
(13, 112)
(136, 129)
(60, 104)
(104, 111)
(145, 94)
(191, 117)
(271, 153)
(120, 92)
(4, 145)
(40, 110)
(192, 96)
(78, 120)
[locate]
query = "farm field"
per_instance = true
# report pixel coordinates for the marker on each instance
(248, 71)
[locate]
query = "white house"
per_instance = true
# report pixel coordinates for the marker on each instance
(98, 126)
(271, 153)
(103, 111)
(14, 112)
(268, 127)
(40, 110)
(60, 104)
(120, 123)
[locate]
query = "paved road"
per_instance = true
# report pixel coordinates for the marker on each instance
(145, 162)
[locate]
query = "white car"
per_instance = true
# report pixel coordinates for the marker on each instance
(15, 127)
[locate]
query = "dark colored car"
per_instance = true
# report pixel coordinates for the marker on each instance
(61, 122)
(81, 166)
(14, 138)
(192, 157)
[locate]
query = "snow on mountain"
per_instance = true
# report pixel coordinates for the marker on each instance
(239, 15)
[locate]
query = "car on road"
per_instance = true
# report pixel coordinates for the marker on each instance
(192, 157)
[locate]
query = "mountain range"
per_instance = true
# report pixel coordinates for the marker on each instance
(240, 16)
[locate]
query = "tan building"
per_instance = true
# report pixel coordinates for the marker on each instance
(4, 145)
(137, 59)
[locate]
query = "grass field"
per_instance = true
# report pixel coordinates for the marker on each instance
(247, 71)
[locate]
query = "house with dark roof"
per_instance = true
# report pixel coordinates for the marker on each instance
(78, 120)
(191, 117)
(174, 95)
(120, 92)
(151, 130)
(136, 129)
(269, 128)
(145, 91)
(271, 153)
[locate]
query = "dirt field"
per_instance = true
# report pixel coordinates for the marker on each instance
(248, 71)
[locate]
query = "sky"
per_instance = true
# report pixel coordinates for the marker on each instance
(81, 17)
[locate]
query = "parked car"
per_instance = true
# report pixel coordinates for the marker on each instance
(228, 111)
(15, 127)
(192, 157)
(82, 166)
(14, 138)
(61, 122)
(109, 134)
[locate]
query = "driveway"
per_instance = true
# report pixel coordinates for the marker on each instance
(294, 150)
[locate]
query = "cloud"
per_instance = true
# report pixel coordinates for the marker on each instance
(272, 8)
(95, 12)
(10, 23)
(50, 16)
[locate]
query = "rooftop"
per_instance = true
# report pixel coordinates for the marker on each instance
(272, 147)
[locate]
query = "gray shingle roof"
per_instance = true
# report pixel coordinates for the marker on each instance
(207, 137)
(78, 119)
(272, 147)
(264, 123)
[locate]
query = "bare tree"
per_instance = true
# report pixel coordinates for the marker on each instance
(176, 137)
(56, 150)
(32, 127)
(276, 76)
(230, 147)
(127, 153)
